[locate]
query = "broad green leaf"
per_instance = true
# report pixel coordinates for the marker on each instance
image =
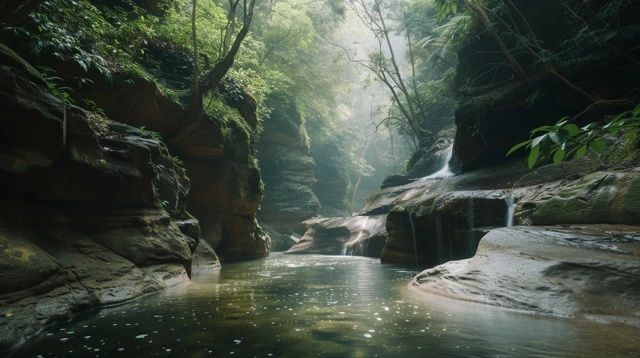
(556, 137)
(587, 127)
(533, 156)
(598, 146)
(518, 146)
(571, 129)
(636, 111)
(581, 152)
(613, 130)
(562, 122)
(541, 129)
(558, 156)
(537, 140)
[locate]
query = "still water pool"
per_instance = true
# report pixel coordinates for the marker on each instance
(337, 306)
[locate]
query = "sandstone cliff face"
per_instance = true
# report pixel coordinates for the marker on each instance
(217, 154)
(83, 219)
(96, 210)
(217, 150)
(288, 169)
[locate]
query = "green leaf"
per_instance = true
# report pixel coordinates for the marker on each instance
(598, 146)
(518, 146)
(558, 156)
(636, 111)
(613, 130)
(571, 129)
(537, 140)
(587, 127)
(556, 137)
(562, 122)
(581, 152)
(541, 129)
(533, 156)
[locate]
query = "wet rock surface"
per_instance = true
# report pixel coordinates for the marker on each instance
(609, 197)
(288, 170)
(578, 271)
(357, 235)
(83, 219)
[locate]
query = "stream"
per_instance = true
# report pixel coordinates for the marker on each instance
(310, 305)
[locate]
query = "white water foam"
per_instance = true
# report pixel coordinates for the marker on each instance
(445, 171)
(510, 200)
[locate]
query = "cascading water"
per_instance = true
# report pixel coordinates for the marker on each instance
(471, 221)
(413, 235)
(439, 237)
(445, 170)
(356, 246)
(510, 201)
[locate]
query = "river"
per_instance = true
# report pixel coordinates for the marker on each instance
(340, 306)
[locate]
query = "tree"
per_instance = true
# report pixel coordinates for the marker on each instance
(384, 64)
(229, 47)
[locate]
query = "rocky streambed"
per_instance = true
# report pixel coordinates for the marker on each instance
(562, 240)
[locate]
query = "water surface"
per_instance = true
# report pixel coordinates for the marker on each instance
(340, 306)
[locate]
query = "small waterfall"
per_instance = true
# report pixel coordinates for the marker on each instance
(356, 249)
(445, 170)
(413, 236)
(356, 246)
(471, 221)
(510, 201)
(439, 237)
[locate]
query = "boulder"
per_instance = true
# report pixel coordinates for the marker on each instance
(442, 226)
(601, 197)
(356, 235)
(205, 259)
(578, 271)
(279, 242)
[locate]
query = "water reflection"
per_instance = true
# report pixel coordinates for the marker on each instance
(320, 306)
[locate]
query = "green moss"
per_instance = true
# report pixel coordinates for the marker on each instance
(234, 128)
(632, 199)
(626, 151)
(15, 59)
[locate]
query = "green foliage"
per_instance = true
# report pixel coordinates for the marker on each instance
(445, 8)
(210, 21)
(77, 31)
(565, 140)
(436, 29)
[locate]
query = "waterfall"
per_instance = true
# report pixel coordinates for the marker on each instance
(356, 249)
(439, 237)
(413, 235)
(355, 246)
(445, 170)
(510, 201)
(471, 221)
